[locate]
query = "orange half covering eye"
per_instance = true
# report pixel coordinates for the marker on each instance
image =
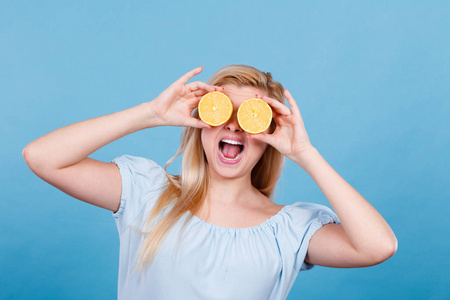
(215, 108)
(254, 115)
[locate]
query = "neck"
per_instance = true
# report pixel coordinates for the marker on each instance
(232, 192)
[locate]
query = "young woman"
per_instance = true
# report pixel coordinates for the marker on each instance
(213, 232)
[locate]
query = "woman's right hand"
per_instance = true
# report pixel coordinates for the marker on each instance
(173, 107)
(61, 157)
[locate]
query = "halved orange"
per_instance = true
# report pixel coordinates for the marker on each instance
(215, 108)
(254, 115)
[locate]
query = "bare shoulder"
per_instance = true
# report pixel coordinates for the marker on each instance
(273, 209)
(266, 209)
(267, 206)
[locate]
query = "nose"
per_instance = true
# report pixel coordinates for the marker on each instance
(233, 124)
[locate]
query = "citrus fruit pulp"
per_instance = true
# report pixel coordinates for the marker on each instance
(215, 108)
(254, 115)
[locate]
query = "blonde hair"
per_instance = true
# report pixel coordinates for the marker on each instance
(186, 192)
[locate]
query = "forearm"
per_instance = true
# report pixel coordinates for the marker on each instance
(70, 144)
(364, 226)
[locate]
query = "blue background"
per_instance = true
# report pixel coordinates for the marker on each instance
(371, 80)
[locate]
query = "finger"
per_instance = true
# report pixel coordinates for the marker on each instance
(197, 123)
(185, 78)
(277, 105)
(292, 103)
(276, 116)
(263, 137)
(200, 93)
(198, 85)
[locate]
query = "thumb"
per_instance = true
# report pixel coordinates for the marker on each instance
(193, 122)
(263, 137)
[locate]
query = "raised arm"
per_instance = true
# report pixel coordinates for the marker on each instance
(364, 238)
(61, 156)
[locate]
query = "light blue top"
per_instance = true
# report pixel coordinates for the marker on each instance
(213, 262)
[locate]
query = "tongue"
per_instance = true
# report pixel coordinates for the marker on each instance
(230, 151)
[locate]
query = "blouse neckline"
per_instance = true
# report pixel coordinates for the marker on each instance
(264, 224)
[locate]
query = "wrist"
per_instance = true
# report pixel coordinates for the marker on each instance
(306, 157)
(146, 116)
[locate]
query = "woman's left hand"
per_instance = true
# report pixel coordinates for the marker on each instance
(290, 137)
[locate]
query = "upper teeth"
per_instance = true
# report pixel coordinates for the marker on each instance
(231, 142)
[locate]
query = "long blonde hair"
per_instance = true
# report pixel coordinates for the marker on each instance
(186, 192)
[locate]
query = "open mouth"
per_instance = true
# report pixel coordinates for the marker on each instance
(230, 150)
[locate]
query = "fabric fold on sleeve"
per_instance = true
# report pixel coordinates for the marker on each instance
(142, 180)
(304, 219)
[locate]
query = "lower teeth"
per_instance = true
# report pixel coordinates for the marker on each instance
(239, 155)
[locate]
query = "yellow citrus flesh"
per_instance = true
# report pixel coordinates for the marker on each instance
(215, 108)
(254, 115)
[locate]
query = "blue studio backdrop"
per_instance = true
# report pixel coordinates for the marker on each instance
(371, 80)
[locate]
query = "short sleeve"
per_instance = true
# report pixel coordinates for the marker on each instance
(142, 182)
(305, 220)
